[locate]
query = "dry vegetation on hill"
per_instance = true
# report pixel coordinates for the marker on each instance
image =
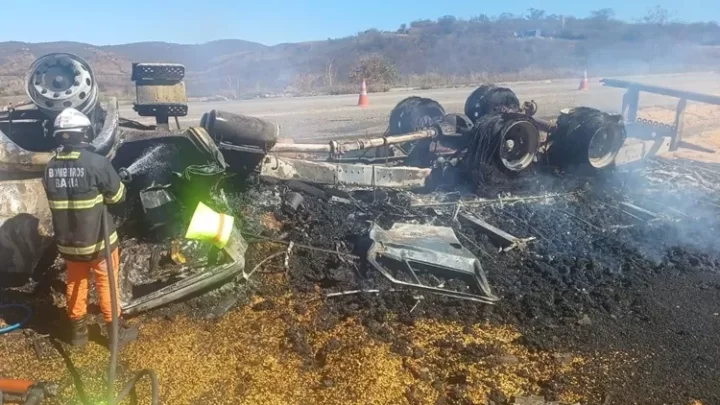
(445, 52)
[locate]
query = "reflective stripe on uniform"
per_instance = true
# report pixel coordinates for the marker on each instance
(75, 204)
(118, 196)
(80, 251)
(68, 156)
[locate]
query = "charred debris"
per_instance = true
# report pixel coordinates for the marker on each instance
(423, 207)
(425, 151)
(414, 210)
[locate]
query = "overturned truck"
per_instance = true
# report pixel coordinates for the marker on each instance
(170, 171)
(167, 170)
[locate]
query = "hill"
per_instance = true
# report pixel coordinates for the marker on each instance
(426, 53)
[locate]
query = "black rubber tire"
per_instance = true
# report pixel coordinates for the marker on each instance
(413, 114)
(488, 99)
(240, 130)
(571, 140)
(484, 149)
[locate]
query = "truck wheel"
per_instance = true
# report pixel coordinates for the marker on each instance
(586, 137)
(488, 99)
(415, 114)
(508, 142)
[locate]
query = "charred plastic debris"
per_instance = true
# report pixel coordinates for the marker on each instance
(171, 171)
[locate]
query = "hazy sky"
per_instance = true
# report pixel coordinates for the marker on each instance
(270, 22)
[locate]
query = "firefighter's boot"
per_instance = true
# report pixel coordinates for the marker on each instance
(79, 332)
(126, 333)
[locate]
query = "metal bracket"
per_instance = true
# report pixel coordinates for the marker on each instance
(679, 125)
(436, 249)
(510, 242)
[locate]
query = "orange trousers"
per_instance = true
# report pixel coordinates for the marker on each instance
(78, 274)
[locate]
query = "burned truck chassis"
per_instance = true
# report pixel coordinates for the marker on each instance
(505, 136)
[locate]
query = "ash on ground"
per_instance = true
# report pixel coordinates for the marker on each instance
(626, 263)
(616, 300)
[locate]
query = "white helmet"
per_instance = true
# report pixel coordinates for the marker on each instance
(72, 127)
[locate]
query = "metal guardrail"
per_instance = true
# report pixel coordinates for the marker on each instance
(631, 97)
(665, 91)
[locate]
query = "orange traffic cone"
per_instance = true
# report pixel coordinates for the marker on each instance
(584, 82)
(363, 101)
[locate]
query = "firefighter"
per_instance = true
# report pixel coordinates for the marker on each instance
(79, 183)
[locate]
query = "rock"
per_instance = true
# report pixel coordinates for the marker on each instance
(585, 321)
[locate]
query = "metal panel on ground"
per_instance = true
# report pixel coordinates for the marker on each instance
(343, 174)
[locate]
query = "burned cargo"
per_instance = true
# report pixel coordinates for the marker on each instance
(170, 172)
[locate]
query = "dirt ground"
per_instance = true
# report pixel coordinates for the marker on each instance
(608, 305)
(701, 124)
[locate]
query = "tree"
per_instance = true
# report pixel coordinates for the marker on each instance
(421, 23)
(305, 82)
(331, 73)
(375, 69)
(554, 17)
(447, 20)
(603, 14)
(482, 18)
(535, 15)
(447, 23)
(657, 15)
(233, 87)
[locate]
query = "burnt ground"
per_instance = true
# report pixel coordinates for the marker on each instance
(605, 306)
(600, 280)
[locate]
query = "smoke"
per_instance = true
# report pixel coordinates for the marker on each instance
(684, 197)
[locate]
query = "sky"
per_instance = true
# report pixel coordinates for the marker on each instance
(107, 22)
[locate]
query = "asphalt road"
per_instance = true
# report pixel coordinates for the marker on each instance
(322, 117)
